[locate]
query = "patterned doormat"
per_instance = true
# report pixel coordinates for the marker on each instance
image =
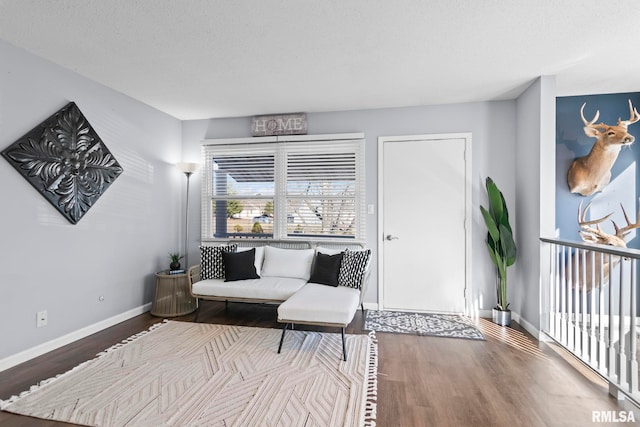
(193, 374)
(430, 324)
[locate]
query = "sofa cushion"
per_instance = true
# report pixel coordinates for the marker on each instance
(258, 258)
(293, 263)
(325, 269)
(239, 265)
(320, 304)
(265, 288)
(354, 265)
(212, 266)
(328, 251)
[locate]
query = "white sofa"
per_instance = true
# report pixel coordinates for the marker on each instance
(278, 281)
(301, 276)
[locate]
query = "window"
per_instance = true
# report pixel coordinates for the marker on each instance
(305, 187)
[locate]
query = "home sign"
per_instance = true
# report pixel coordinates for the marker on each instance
(279, 124)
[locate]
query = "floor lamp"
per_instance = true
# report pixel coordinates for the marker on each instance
(188, 169)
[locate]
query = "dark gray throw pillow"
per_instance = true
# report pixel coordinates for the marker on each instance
(326, 269)
(239, 265)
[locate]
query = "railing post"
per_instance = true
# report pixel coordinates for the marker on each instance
(633, 364)
(595, 288)
(622, 359)
(602, 345)
(611, 370)
(584, 349)
(566, 297)
(551, 318)
(576, 303)
(571, 334)
(556, 289)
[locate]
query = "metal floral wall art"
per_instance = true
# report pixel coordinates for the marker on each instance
(66, 161)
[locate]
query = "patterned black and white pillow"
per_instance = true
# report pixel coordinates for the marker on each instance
(211, 263)
(354, 265)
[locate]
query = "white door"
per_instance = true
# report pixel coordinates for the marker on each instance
(424, 196)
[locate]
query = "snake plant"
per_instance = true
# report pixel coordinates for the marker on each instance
(500, 243)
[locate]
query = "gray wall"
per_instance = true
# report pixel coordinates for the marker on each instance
(493, 128)
(49, 264)
(115, 249)
(535, 195)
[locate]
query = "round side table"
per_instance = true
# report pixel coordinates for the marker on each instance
(172, 297)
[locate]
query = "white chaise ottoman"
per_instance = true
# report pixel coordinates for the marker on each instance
(321, 305)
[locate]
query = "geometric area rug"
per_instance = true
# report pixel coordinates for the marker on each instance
(431, 324)
(198, 374)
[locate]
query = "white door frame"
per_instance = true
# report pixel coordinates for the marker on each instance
(468, 208)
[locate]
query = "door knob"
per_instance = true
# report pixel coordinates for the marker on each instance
(390, 237)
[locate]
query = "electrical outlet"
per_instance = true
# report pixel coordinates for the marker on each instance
(41, 318)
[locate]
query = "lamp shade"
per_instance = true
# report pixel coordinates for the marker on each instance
(188, 167)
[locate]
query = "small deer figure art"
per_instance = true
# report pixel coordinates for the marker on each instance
(595, 235)
(592, 173)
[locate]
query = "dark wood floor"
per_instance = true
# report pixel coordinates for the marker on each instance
(508, 380)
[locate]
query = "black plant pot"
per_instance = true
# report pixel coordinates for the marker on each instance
(174, 265)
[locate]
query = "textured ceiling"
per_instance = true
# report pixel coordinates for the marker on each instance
(218, 58)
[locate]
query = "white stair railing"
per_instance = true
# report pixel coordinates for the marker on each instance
(590, 308)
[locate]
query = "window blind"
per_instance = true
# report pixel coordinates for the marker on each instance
(290, 189)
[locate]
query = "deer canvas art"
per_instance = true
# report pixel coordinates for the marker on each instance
(592, 173)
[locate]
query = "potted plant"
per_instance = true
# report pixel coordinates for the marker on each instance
(175, 261)
(501, 246)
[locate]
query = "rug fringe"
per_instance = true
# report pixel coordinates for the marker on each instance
(5, 403)
(132, 338)
(372, 382)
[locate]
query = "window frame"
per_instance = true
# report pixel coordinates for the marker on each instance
(281, 145)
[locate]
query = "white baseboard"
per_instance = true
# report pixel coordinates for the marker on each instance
(39, 350)
(370, 305)
(527, 326)
(521, 321)
(484, 313)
